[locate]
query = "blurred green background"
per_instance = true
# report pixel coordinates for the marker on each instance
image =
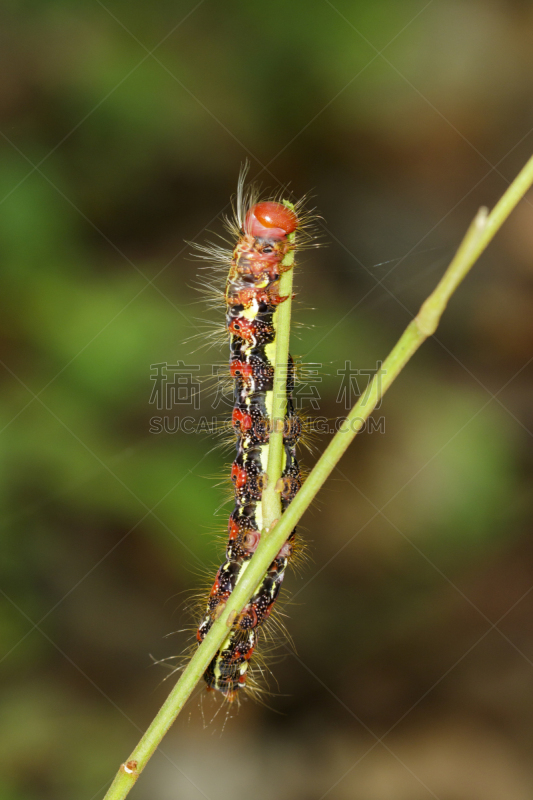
(124, 126)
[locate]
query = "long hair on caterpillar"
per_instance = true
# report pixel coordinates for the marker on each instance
(212, 704)
(218, 255)
(258, 247)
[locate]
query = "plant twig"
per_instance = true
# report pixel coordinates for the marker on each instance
(271, 500)
(425, 323)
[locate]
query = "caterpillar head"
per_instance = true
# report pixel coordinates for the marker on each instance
(270, 220)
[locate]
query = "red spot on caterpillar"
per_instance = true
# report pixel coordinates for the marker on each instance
(242, 327)
(238, 476)
(245, 297)
(270, 220)
(241, 369)
(241, 420)
(233, 530)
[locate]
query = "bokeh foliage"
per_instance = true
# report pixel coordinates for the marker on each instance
(111, 157)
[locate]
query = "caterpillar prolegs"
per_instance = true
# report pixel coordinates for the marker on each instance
(267, 233)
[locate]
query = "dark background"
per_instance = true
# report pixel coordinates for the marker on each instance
(124, 126)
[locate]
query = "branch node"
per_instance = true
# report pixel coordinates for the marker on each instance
(231, 619)
(220, 609)
(481, 218)
(130, 768)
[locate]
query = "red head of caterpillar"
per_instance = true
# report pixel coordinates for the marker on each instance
(270, 220)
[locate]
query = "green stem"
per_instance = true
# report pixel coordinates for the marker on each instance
(477, 238)
(271, 500)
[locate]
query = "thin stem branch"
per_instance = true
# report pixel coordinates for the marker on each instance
(271, 501)
(425, 323)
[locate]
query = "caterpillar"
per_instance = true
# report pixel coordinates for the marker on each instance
(266, 234)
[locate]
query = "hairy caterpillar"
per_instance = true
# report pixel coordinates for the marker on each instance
(266, 234)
